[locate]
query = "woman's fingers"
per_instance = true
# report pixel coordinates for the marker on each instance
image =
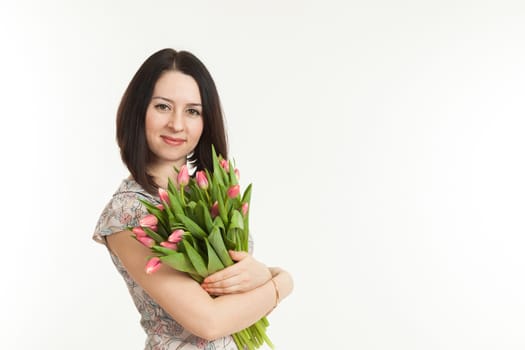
(222, 275)
(237, 256)
(230, 271)
(232, 284)
(246, 274)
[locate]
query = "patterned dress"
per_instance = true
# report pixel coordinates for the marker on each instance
(163, 332)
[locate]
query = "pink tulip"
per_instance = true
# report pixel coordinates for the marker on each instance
(160, 206)
(202, 180)
(153, 265)
(176, 236)
(163, 195)
(183, 178)
(225, 165)
(244, 208)
(153, 228)
(149, 220)
(139, 231)
(146, 240)
(214, 210)
(237, 174)
(169, 245)
(234, 191)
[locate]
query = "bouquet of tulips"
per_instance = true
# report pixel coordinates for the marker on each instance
(196, 224)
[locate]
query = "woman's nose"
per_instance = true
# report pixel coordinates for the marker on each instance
(176, 121)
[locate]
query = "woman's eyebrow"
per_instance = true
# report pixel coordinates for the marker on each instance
(163, 98)
(171, 101)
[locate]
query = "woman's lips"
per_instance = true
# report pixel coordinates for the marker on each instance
(174, 141)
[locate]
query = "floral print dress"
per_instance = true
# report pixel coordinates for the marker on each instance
(163, 332)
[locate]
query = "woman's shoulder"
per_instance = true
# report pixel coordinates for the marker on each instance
(123, 210)
(130, 187)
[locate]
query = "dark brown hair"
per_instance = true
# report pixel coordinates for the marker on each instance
(131, 114)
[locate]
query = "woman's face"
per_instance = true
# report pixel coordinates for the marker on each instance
(174, 119)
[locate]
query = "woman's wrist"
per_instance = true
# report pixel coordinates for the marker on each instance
(274, 271)
(282, 281)
(277, 294)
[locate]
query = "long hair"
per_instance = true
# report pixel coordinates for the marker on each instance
(131, 114)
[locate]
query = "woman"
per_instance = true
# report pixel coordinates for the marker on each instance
(170, 115)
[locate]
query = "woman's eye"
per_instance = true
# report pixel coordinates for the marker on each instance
(162, 107)
(194, 112)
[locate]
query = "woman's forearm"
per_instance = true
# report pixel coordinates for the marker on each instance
(250, 306)
(234, 312)
(188, 303)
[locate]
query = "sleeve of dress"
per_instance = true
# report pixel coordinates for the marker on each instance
(122, 211)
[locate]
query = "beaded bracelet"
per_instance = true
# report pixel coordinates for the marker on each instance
(277, 296)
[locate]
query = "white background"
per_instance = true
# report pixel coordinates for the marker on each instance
(384, 140)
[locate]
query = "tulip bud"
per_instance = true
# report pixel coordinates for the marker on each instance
(149, 220)
(214, 209)
(139, 231)
(234, 191)
(169, 245)
(146, 240)
(237, 174)
(163, 195)
(176, 236)
(153, 265)
(244, 208)
(202, 180)
(183, 178)
(225, 165)
(160, 206)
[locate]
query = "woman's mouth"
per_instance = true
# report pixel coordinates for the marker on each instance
(173, 141)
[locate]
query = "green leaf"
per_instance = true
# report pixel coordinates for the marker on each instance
(206, 216)
(179, 262)
(214, 263)
(199, 215)
(162, 250)
(222, 208)
(247, 194)
(219, 223)
(231, 175)
(175, 204)
(190, 240)
(246, 199)
(196, 193)
(229, 241)
(217, 169)
(192, 226)
(156, 237)
(236, 221)
(209, 177)
(171, 219)
(196, 277)
(215, 239)
(159, 214)
(171, 186)
(196, 260)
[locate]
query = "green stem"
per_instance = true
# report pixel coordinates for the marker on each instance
(208, 198)
(262, 331)
(181, 195)
(237, 341)
(244, 340)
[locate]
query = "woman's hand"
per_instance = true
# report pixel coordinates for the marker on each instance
(243, 276)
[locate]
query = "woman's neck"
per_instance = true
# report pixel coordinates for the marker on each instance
(161, 173)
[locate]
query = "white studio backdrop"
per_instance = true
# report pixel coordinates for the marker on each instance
(384, 140)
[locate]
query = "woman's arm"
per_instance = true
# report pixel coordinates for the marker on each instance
(188, 303)
(246, 274)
